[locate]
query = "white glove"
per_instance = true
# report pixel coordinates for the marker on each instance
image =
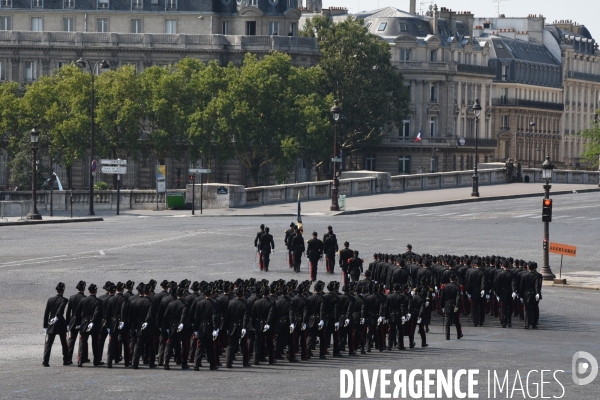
(436, 288)
(520, 298)
(468, 295)
(180, 328)
(53, 320)
(482, 293)
(218, 330)
(403, 320)
(90, 326)
(215, 335)
(362, 321)
(413, 292)
(419, 321)
(45, 330)
(243, 332)
(385, 322)
(266, 328)
(426, 304)
(108, 330)
(537, 297)
(379, 320)
(433, 296)
(321, 324)
(168, 331)
(292, 327)
(303, 327)
(196, 334)
(144, 325)
(408, 317)
(514, 295)
(346, 322)
(455, 309)
(337, 326)
(487, 296)
(498, 298)
(78, 327)
(121, 325)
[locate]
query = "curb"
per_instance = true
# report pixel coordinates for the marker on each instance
(573, 287)
(460, 201)
(59, 221)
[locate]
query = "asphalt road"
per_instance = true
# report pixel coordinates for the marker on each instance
(33, 259)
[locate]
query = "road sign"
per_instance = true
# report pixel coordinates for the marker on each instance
(222, 190)
(113, 162)
(113, 170)
(199, 171)
(563, 249)
(336, 159)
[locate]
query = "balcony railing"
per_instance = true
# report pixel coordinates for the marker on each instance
(450, 141)
(470, 142)
(583, 76)
(504, 101)
(476, 69)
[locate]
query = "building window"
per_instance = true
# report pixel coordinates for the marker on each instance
(250, 28)
(370, 162)
(69, 4)
(136, 26)
(433, 55)
(474, 59)
(171, 26)
(171, 5)
(2, 70)
(6, 3)
(37, 3)
(404, 165)
(5, 24)
(293, 29)
(382, 27)
(36, 24)
(253, 3)
(405, 54)
(505, 122)
(137, 4)
(59, 64)
(405, 128)
(433, 94)
(225, 28)
(103, 3)
(433, 126)
(403, 27)
(30, 73)
(69, 24)
(273, 27)
(102, 24)
(505, 72)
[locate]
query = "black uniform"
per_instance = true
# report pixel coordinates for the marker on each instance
(417, 310)
(299, 304)
(256, 242)
(143, 312)
(55, 308)
(72, 324)
(475, 285)
(314, 252)
(395, 309)
(117, 312)
(331, 305)
(529, 290)
(285, 317)
(237, 317)
(298, 248)
(504, 286)
(206, 320)
(330, 248)
(266, 244)
(355, 268)
(314, 314)
(89, 312)
(450, 299)
(175, 316)
(289, 233)
(345, 255)
(263, 314)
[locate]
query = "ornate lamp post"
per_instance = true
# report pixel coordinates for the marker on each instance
(336, 111)
(530, 136)
(477, 111)
(33, 213)
(547, 168)
(82, 63)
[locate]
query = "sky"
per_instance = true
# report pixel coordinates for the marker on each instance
(585, 12)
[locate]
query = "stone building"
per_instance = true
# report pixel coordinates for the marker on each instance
(38, 36)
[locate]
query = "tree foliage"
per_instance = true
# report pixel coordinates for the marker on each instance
(592, 146)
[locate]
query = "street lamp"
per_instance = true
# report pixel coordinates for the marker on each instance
(530, 136)
(33, 213)
(82, 63)
(336, 111)
(547, 168)
(476, 110)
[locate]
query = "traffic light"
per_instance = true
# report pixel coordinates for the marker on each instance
(545, 244)
(192, 177)
(547, 210)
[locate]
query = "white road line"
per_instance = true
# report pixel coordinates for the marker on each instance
(562, 216)
(466, 215)
(403, 215)
(101, 252)
(524, 215)
(446, 215)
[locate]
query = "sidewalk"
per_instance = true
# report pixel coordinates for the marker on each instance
(354, 205)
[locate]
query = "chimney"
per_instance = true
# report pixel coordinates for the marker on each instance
(436, 16)
(413, 6)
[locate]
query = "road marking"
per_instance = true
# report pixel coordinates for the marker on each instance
(466, 215)
(524, 215)
(562, 216)
(404, 215)
(101, 252)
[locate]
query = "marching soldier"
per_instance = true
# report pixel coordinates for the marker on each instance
(315, 314)
(116, 317)
(298, 248)
(530, 295)
(505, 291)
(206, 329)
(330, 248)
(332, 324)
(476, 292)
(55, 324)
(285, 326)
(394, 313)
(289, 234)
(110, 289)
(266, 245)
(72, 320)
(345, 255)
(314, 253)
(355, 267)
(144, 324)
(256, 242)
(263, 316)
(175, 323)
(346, 310)
(450, 300)
(166, 299)
(416, 316)
(299, 332)
(89, 318)
(237, 319)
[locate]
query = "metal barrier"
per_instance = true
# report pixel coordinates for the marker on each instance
(2, 203)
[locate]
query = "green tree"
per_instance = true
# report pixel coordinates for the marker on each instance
(358, 71)
(10, 108)
(592, 146)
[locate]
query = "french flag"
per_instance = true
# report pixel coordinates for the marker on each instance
(418, 139)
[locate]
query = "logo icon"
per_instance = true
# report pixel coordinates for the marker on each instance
(584, 363)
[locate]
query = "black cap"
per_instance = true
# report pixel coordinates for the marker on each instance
(315, 234)
(208, 290)
(92, 288)
(148, 288)
(180, 291)
(292, 225)
(80, 286)
(140, 287)
(120, 286)
(129, 285)
(195, 286)
(164, 284)
(60, 287)
(112, 287)
(106, 285)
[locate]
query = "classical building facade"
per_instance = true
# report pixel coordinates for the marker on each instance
(39, 36)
